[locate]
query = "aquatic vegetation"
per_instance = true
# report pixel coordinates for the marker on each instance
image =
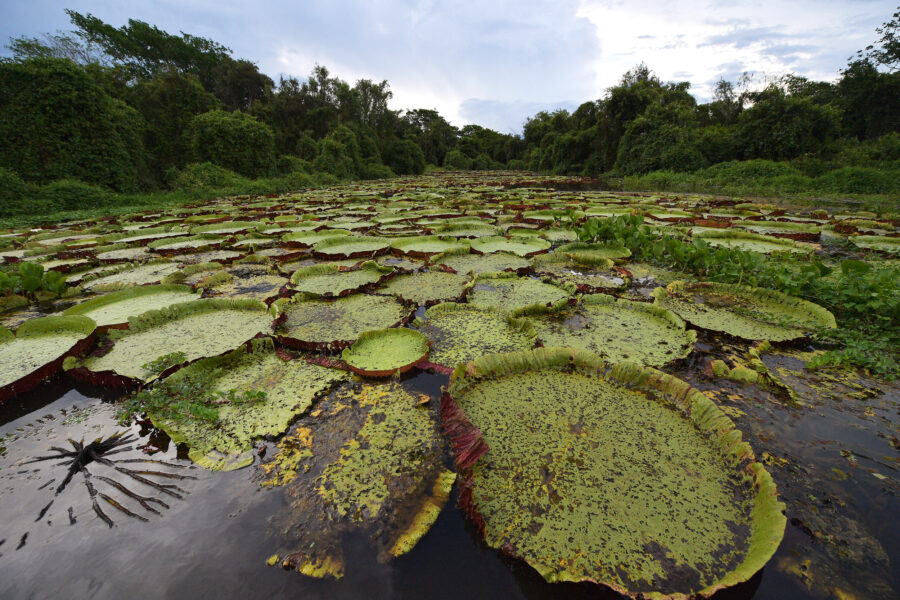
(427, 288)
(330, 281)
(385, 352)
(518, 295)
(114, 309)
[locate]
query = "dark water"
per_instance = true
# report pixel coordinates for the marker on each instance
(214, 542)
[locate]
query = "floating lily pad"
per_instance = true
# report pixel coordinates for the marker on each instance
(461, 332)
(424, 246)
(130, 274)
(518, 295)
(124, 255)
(743, 311)
(290, 386)
(587, 278)
(194, 243)
(593, 254)
(255, 283)
(113, 309)
(37, 349)
(753, 242)
(474, 228)
(806, 232)
(619, 475)
(196, 329)
(618, 330)
(427, 288)
(331, 280)
(521, 246)
(466, 263)
(335, 324)
(351, 247)
(306, 239)
(366, 461)
(887, 244)
(384, 352)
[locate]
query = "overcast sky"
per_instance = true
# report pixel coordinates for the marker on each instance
(494, 63)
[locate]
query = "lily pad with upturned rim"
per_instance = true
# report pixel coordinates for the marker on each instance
(613, 474)
(427, 288)
(518, 295)
(112, 310)
(425, 246)
(330, 281)
(754, 242)
(351, 247)
(520, 246)
(385, 352)
(466, 263)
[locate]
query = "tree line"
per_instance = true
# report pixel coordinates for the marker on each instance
(135, 108)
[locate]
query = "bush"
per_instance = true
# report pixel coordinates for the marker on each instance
(14, 195)
(457, 160)
(307, 147)
(71, 194)
(334, 159)
(206, 176)
(516, 164)
(747, 172)
(859, 180)
(404, 157)
(374, 170)
(235, 141)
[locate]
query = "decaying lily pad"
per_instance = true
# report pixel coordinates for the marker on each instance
(743, 311)
(197, 329)
(255, 282)
(518, 295)
(620, 475)
(335, 324)
(521, 246)
(618, 330)
(384, 352)
(462, 332)
(427, 288)
(466, 263)
(367, 460)
(331, 280)
(290, 386)
(113, 310)
(37, 349)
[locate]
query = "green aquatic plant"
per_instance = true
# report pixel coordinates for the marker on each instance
(385, 352)
(427, 288)
(115, 308)
(331, 280)
(518, 295)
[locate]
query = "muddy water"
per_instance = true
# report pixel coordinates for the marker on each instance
(213, 543)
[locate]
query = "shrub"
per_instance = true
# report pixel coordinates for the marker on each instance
(457, 160)
(205, 176)
(71, 194)
(404, 157)
(235, 141)
(859, 180)
(374, 170)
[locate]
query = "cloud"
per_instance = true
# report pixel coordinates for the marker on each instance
(507, 117)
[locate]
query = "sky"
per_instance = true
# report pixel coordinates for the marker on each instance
(497, 62)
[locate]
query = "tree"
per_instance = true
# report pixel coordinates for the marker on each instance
(404, 157)
(235, 141)
(56, 122)
(886, 51)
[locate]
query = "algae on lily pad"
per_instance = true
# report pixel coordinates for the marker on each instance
(618, 330)
(743, 311)
(36, 350)
(114, 309)
(384, 352)
(587, 278)
(427, 288)
(332, 280)
(349, 246)
(461, 332)
(128, 274)
(335, 324)
(423, 246)
(290, 386)
(197, 329)
(367, 460)
(520, 246)
(614, 474)
(466, 263)
(518, 295)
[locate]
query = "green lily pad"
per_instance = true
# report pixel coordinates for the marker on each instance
(427, 288)
(331, 280)
(198, 329)
(587, 278)
(466, 263)
(130, 274)
(593, 254)
(743, 311)
(520, 246)
(290, 386)
(114, 309)
(474, 228)
(36, 350)
(367, 460)
(462, 332)
(424, 246)
(194, 243)
(335, 324)
(351, 247)
(887, 244)
(305, 239)
(754, 242)
(618, 330)
(619, 475)
(384, 352)
(518, 295)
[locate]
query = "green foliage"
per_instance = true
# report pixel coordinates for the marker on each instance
(160, 364)
(404, 157)
(58, 123)
(457, 160)
(206, 176)
(859, 180)
(71, 194)
(235, 141)
(661, 139)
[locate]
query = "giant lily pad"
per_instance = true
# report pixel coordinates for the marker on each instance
(367, 460)
(290, 386)
(587, 278)
(618, 330)
(194, 243)
(427, 288)
(305, 238)
(743, 311)
(424, 246)
(619, 475)
(384, 352)
(518, 295)
(753, 242)
(593, 254)
(466, 263)
(891, 245)
(335, 324)
(462, 332)
(331, 280)
(520, 246)
(37, 349)
(130, 274)
(196, 329)
(113, 310)
(351, 247)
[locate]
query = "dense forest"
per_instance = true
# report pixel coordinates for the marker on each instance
(135, 109)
